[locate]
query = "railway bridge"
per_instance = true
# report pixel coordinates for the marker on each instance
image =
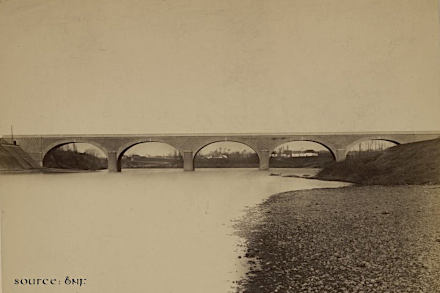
(114, 146)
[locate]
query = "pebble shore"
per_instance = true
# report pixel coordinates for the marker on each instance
(352, 239)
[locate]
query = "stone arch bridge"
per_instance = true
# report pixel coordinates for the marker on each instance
(114, 146)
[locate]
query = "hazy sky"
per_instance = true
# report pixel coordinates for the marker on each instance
(226, 146)
(150, 149)
(111, 66)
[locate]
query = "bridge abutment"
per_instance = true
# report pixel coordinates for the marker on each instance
(188, 161)
(40, 162)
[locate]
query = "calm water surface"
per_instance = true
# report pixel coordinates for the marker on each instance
(136, 231)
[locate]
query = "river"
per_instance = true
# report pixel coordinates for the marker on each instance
(136, 231)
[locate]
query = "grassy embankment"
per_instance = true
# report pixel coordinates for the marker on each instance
(14, 159)
(413, 163)
(354, 239)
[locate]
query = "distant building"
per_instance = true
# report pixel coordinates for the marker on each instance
(218, 156)
(294, 154)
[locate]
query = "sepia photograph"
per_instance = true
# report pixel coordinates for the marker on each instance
(219, 146)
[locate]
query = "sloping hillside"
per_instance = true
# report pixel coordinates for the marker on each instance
(13, 158)
(413, 163)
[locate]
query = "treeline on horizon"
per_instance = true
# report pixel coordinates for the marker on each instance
(137, 161)
(233, 160)
(320, 161)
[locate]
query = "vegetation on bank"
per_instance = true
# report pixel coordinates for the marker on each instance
(413, 163)
(69, 159)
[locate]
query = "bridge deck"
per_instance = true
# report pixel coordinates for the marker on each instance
(188, 144)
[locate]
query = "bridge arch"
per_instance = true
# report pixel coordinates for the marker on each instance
(201, 147)
(372, 138)
(329, 147)
(52, 146)
(127, 146)
(301, 154)
(59, 143)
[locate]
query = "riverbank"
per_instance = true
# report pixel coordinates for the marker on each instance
(351, 239)
(412, 163)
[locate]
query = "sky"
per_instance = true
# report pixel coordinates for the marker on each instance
(201, 66)
(151, 149)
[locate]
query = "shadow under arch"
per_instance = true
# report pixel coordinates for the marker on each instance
(125, 148)
(199, 149)
(56, 145)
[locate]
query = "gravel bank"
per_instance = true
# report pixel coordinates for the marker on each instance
(353, 239)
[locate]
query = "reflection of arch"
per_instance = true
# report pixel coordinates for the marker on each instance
(365, 139)
(222, 141)
(68, 141)
(330, 149)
